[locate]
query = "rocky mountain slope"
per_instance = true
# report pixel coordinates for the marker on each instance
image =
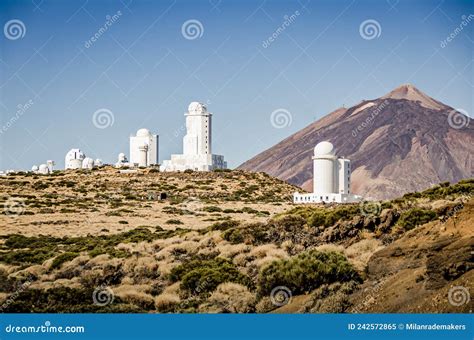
(402, 142)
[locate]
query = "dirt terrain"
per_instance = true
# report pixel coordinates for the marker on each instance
(228, 242)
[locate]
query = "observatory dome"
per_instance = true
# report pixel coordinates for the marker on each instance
(324, 149)
(43, 169)
(196, 107)
(143, 133)
(87, 163)
(34, 168)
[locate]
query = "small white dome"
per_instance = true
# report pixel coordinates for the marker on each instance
(98, 162)
(196, 107)
(43, 169)
(87, 163)
(122, 158)
(143, 133)
(324, 149)
(34, 168)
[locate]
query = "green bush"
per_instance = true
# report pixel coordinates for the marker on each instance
(27, 250)
(305, 272)
(64, 300)
(414, 217)
(60, 259)
(203, 276)
(212, 209)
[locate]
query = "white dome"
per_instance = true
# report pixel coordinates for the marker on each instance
(196, 107)
(34, 168)
(98, 162)
(43, 169)
(87, 163)
(122, 158)
(324, 149)
(143, 133)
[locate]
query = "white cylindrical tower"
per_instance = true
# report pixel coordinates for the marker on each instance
(324, 168)
(197, 140)
(50, 165)
(143, 152)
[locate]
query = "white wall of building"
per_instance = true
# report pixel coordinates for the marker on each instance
(197, 144)
(73, 159)
(197, 140)
(144, 137)
(331, 178)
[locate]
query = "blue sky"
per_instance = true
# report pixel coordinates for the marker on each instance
(145, 71)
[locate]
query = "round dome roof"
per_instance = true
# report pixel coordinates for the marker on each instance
(42, 167)
(34, 168)
(143, 133)
(197, 107)
(324, 149)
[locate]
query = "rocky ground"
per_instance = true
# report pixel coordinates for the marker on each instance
(102, 241)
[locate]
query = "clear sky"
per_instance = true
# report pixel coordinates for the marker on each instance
(146, 67)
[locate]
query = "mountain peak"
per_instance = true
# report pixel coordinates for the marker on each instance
(410, 92)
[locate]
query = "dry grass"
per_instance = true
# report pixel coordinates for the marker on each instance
(231, 298)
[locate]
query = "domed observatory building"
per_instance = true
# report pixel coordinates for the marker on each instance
(197, 144)
(143, 148)
(331, 178)
(73, 159)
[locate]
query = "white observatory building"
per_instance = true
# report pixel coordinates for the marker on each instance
(331, 178)
(74, 159)
(197, 144)
(143, 148)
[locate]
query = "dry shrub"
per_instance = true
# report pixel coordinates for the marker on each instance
(263, 255)
(242, 260)
(229, 251)
(59, 283)
(165, 267)
(330, 247)
(263, 250)
(166, 302)
(232, 298)
(265, 305)
(359, 253)
(35, 271)
(136, 295)
(72, 268)
(3, 298)
(141, 268)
